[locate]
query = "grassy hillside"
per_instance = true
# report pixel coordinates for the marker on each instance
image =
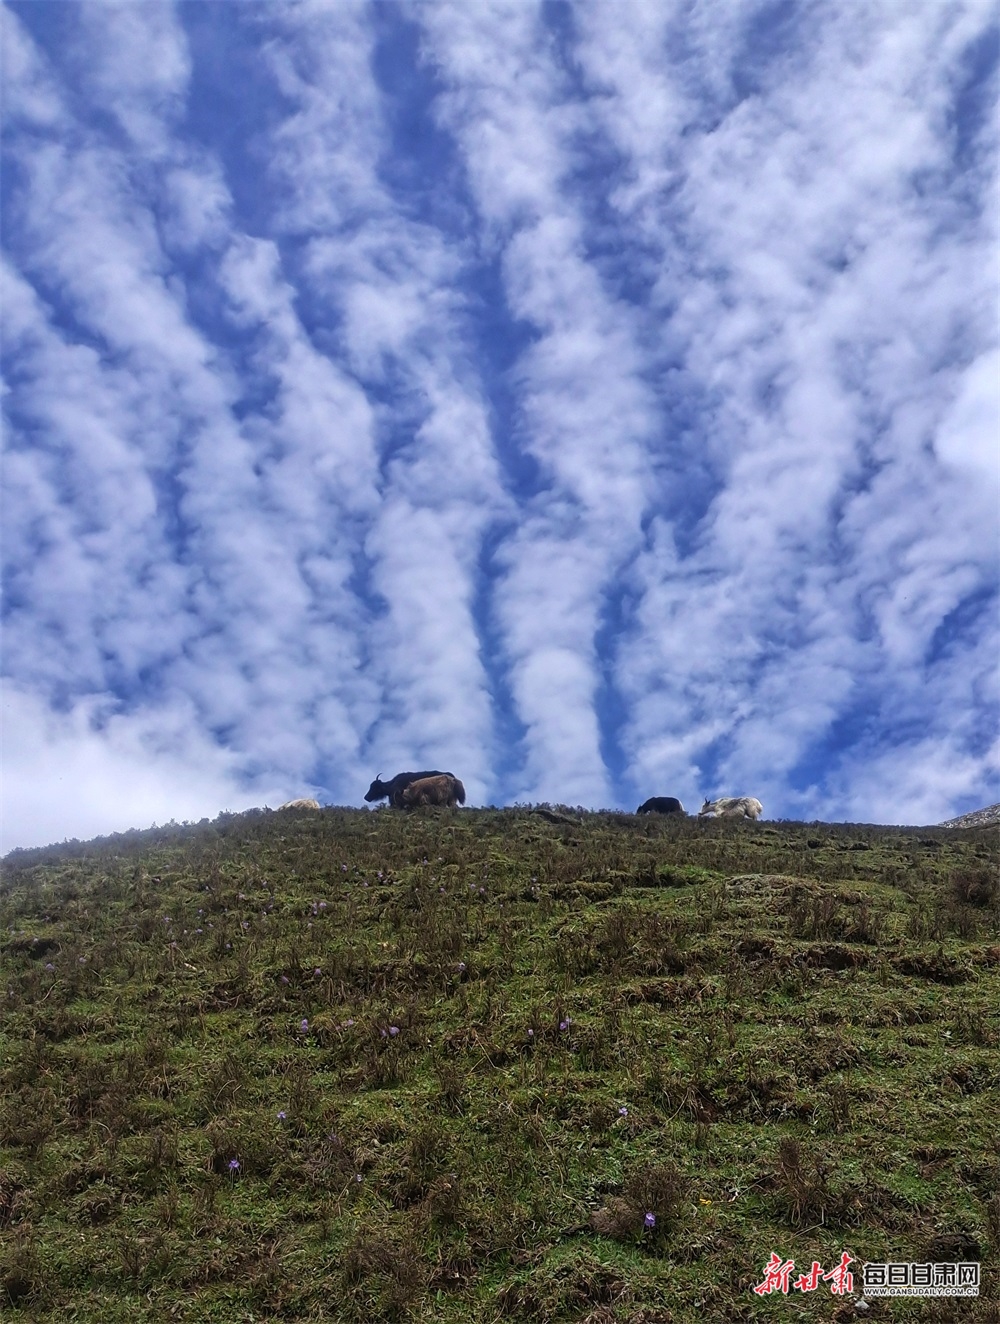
(475, 1065)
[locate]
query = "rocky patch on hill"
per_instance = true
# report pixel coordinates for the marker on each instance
(978, 818)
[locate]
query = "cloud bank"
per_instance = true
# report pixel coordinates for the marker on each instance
(597, 409)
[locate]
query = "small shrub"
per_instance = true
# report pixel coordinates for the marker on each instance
(451, 1082)
(98, 1204)
(595, 1049)
(256, 1145)
(563, 1290)
(14, 1200)
(868, 926)
(382, 1275)
(649, 1203)
(23, 1276)
(427, 1154)
(991, 1211)
(972, 1025)
(28, 1120)
(226, 1081)
(167, 1207)
(975, 887)
(840, 1106)
(920, 924)
(330, 1162)
(443, 1204)
(206, 1196)
(803, 1188)
(163, 1150)
(302, 1096)
(815, 916)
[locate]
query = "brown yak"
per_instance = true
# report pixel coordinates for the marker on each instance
(442, 790)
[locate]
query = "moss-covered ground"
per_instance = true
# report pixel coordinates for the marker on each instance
(479, 1066)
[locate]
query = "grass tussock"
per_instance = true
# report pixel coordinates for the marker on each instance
(490, 1064)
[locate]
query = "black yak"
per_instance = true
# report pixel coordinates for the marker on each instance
(661, 804)
(393, 790)
(444, 789)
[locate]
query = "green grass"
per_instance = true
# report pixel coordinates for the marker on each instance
(521, 1037)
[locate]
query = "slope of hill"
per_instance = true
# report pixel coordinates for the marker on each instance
(477, 1065)
(978, 818)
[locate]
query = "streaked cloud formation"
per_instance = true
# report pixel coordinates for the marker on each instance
(597, 408)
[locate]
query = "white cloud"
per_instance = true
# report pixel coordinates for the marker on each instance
(968, 436)
(90, 771)
(27, 88)
(391, 285)
(135, 63)
(917, 782)
(827, 304)
(158, 536)
(584, 411)
(198, 205)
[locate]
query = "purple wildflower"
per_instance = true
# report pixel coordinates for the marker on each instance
(650, 1220)
(394, 1030)
(282, 1115)
(304, 1025)
(564, 1025)
(234, 1165)
(623, 1111)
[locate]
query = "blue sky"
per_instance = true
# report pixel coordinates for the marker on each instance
(596, 400)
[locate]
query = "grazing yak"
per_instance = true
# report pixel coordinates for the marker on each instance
(300, 804)
(393, 790)
(738, 806)
(661, 804)
(444, 789)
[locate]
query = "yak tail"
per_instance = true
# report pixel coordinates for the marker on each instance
(459, 791)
